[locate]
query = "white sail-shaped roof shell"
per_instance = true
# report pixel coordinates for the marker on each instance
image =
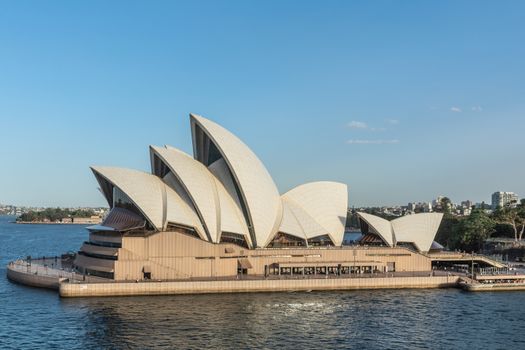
(297, 222)
(231, 216)
(198, 182)
(379, 226)
(180, 208)
(232, 219)
(326, 203)
(226, 188)
(220, 171)
(290, 224)
(257, 189)
(419, 229)
(157, 201)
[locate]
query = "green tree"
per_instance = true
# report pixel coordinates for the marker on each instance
(444, 206)
(503, 230)
(448, 233)
(513, 215)
(475, 230)
(54, 214)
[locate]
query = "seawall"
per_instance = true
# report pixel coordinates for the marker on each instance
(33, 280)
(492, 287)
(69, 290)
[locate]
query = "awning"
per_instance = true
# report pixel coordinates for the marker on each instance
(244, 263)
(93, 249)
(100, 228)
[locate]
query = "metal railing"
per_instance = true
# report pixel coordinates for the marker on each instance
(51, 270)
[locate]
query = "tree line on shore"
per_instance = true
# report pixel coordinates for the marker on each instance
(55, 214)
(469, 233)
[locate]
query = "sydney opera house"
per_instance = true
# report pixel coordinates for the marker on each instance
(218, 214)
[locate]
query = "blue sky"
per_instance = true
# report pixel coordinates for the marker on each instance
(401, 100)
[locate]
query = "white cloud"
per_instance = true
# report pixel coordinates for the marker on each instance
(371, 142)
(357, 125)
(392, 121)
(477, 109)
(455, 109)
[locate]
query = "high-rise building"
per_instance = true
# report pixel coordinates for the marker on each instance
(501, 199)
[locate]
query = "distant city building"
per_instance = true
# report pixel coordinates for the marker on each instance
(483, 205)
(501, 199)
(427, 207)
(420, 207)
(465, 208)
(467, 204)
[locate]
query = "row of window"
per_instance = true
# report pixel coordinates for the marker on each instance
(103, 274)
(284, 240)
(234, 238)
(98, 256)
(321, 270)
(104, 244)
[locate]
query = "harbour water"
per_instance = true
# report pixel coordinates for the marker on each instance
(394, 319)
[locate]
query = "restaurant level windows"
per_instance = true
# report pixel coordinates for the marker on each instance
(283, 240)
(320, 241)
(235, 238)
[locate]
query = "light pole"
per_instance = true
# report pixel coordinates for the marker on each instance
(354, 253)
(472, 271)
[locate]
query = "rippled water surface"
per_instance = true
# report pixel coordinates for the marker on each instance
(394, 319)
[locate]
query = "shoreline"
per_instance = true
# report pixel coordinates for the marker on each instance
(69, 285)
(68, 289)
(497, 287)
(50, 274)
